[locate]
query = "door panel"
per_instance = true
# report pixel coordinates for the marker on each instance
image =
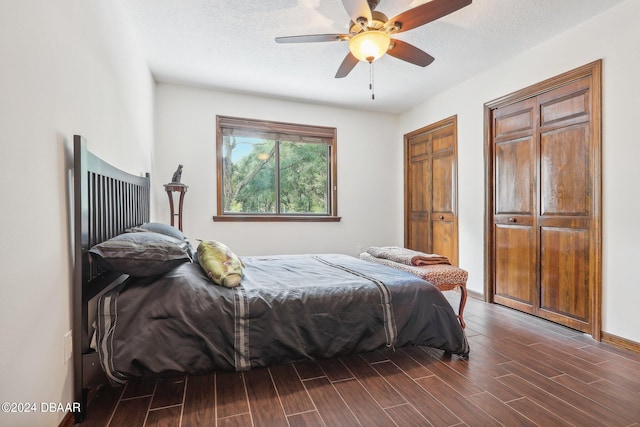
(515, 276)
(514, 120)
(568, 104)
(515, 179)
(419, 234)
(442, 180)
(442, 139)
(421, 191)
(565, 172)
(441, 234)
(564, 282)
(419, 147)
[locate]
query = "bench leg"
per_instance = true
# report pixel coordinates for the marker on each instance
(463, 301)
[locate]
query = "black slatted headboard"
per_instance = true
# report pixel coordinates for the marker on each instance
(107, 201)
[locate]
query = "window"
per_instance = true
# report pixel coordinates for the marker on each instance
(271, 171)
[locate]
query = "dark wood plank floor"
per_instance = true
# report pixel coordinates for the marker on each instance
(523, 371)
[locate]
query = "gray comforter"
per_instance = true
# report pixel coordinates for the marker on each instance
(287, 308)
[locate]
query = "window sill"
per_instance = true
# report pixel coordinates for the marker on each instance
(275, 218)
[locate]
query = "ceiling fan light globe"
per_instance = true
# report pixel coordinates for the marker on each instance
(369, 45)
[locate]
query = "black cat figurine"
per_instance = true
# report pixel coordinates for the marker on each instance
(177, 175)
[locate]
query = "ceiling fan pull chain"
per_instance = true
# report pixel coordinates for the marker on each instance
(373, 96)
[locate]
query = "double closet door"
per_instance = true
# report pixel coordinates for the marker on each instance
(431, 221)
(544, 190)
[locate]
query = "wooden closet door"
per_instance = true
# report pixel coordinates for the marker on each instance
(444, 236)
(515, 206)
(544, 203)
(430, 189)
(418, 223)
(566, 200)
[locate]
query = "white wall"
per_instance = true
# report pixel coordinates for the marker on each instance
(614, 37)
(68, 67)
(369, 173)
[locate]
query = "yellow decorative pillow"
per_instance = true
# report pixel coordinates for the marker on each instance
(222, 266)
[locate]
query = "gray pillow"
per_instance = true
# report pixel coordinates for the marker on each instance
(142, 254)
(158, 227)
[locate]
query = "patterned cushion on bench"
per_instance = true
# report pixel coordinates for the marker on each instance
(440, 274)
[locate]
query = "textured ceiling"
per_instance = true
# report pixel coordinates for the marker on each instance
(229, 45)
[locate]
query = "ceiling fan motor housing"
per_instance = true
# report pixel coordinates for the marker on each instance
(378, 19)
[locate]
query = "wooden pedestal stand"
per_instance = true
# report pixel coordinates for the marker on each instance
(178, 188)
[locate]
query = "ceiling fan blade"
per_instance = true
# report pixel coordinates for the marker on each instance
(347, 65)
(313, 38)
(357, 9)
(407, 52)
(425, 13)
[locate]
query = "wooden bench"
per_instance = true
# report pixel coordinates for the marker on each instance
(443, 276)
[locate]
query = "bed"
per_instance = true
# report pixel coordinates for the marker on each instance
(286, 308)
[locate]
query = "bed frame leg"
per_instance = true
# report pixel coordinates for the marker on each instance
(82, 413)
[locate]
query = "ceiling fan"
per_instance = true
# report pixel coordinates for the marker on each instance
(370, 32)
